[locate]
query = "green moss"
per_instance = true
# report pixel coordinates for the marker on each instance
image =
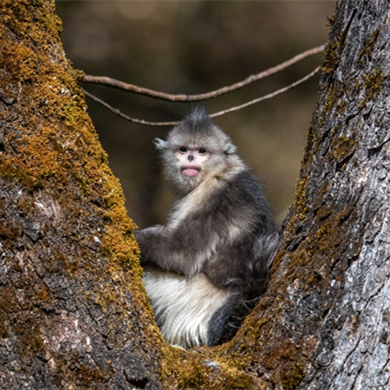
(28, 18)
(373, 84)
(301, 200)
(193, 378)
(343, 147)
(368, 48)
(206, 368)
(333, 52)
(51, 93)
(55, 146)
(330, 101)
(11, 168)
(293, 377)
(22, 62)
(311, 145)
(332, 57)
(319, 241)
(330, 20)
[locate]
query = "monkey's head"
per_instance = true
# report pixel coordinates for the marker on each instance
(195, 150)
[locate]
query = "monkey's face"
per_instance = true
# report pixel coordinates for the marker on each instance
(191, 160)
(189, 164)
(196, 151)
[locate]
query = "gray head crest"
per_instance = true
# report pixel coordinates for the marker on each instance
(197, 119)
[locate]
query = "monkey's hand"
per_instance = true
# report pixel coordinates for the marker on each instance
(148, 240)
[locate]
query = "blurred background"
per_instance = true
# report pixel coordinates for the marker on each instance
(192, 47)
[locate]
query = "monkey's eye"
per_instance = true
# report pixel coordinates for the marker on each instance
(202, 151)
(183, 149)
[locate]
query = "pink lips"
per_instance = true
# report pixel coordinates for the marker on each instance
(190, 171)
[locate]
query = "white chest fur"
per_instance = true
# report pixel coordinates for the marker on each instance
(183, 307)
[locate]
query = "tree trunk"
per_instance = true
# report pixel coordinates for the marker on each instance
(326, 315)
(73, 314)
(73, 309)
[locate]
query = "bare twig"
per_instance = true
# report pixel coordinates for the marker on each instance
(269, 96)
(219, 113)
(203, 96)
(122, 115)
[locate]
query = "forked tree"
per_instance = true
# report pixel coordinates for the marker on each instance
(73, 311)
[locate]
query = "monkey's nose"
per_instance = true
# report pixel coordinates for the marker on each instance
(190, 158)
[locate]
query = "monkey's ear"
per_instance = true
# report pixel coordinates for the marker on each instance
(160, 144)
(230, 148)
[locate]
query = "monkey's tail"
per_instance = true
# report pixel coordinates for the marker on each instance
(256, 275)
(252, 282)
(247, 290)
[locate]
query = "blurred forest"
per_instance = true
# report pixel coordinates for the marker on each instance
(193, 47)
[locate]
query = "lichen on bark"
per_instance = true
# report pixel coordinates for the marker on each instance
(73, 306)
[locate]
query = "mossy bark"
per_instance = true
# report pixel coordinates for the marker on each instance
(327, 305)
(73, 313)
(73, 310)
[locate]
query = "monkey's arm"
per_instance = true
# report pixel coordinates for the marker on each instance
(183, 250)
(149, 241)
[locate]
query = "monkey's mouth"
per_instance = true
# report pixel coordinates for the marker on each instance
(190, 171)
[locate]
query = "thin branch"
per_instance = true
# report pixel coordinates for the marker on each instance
(203, 96)
(269, 96)
(122, 115)
(219, 113)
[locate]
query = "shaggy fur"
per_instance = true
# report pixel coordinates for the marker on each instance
(206, 268)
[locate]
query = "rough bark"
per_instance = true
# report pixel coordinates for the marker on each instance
(346, 199)
(326, 314)
(73, 310)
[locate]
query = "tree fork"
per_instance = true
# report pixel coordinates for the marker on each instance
(73, 309)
